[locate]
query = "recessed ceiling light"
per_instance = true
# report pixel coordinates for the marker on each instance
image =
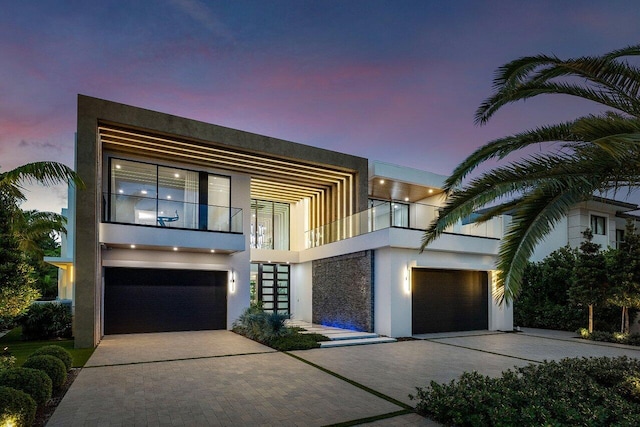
(118, 166)
(169, 197)
(177, 175)
(213, 251)
(144, 191)
(382, 181)
(133, 246)
(430, 190)
(175, 248)
(406, 199)
(121, 191)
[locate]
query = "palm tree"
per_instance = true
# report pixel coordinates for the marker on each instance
(16, 283)
(599, 152)
(44, 173)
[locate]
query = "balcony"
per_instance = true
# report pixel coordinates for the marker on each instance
(152, 223)
(412, 216)
(154, 212)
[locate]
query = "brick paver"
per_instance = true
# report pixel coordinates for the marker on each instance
(219, 378)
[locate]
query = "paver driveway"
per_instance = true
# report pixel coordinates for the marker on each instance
(219, 378)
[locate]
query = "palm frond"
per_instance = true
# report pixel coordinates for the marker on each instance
(44, 173)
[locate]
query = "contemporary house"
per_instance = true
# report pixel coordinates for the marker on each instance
(182, 224)
(606, 218)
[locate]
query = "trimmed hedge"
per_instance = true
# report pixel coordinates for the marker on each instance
(57, 351)
(614, 337)
(596, 391)
(50, 365)
(35, 383)
(17, 408)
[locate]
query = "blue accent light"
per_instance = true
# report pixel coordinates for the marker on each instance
(343, 324)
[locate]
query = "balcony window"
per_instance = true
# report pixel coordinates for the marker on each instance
(148, 194)
(384, 214)
(598, 225)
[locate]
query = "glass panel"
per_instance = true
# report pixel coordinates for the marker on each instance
(133, 187)
(283, 276)
(267, 306)
(267, 267)
(219, 195)
(283, 291)
(400, 215)
(267, 298)
(177, 198)
(266, 290)
(268, 276)
(281, 226)
(380, 214)
(283, 298)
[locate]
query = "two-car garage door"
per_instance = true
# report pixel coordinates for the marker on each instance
(449, 300)
(154, 300)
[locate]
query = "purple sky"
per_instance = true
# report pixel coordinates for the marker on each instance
(396, 81)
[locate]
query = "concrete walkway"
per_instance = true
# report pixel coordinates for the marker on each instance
(219, 378)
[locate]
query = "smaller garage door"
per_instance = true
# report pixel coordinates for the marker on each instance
(153, 300)
(449, 300)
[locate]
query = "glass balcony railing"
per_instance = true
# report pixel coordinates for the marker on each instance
(388, 215)
(151, 211)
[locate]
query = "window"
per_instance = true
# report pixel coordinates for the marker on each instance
(384, 214)
(619, 238)
(269, 225)
(148, 194)
(598, 225)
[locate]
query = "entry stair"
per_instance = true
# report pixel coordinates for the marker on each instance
(339, 337)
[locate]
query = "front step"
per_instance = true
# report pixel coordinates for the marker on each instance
(361, 341)
(339, 337)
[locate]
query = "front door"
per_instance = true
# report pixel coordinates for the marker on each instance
(274, 287)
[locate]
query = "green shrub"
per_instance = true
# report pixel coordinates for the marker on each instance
(35, 383)
(57, 351)
(50, 365)
(7, 360)
(46, 321)
(297, 341)
(598, 391)
(260, 326)
(630, 387)
(17, 408)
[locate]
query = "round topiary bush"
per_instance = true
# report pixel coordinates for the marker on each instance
(57, 351)
(51, 366)
(35, 383)
(17, 408)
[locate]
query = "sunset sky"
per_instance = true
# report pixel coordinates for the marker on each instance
(396, 81)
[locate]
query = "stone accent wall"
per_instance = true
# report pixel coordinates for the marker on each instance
(343, 291)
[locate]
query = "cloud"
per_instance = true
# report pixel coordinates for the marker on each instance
(200, 13)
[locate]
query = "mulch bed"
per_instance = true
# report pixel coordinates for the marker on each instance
(45, 412)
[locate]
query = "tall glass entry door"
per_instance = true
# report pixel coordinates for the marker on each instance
(274, 287)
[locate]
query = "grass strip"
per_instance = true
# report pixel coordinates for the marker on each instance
(353, 383)
(371, 419)
(215, 356)
(22, 349)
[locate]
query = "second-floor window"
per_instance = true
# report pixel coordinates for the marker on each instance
(269, 225)
(598, 225)
(162, 196)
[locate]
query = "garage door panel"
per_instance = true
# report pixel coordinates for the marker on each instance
(151, 300)
(449, 300)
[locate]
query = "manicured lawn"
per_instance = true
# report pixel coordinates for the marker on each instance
(22, 349)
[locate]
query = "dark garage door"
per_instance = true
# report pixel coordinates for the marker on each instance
(449, 300)
(152, 300)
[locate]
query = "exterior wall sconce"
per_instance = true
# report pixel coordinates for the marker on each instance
(407, 279)
(232, 282)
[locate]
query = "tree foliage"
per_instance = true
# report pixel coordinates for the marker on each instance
(595, 153)
(19, 231)
(590, 285)
(624, 270)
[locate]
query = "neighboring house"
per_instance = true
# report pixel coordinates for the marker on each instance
(183, 223)
(606, 218)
